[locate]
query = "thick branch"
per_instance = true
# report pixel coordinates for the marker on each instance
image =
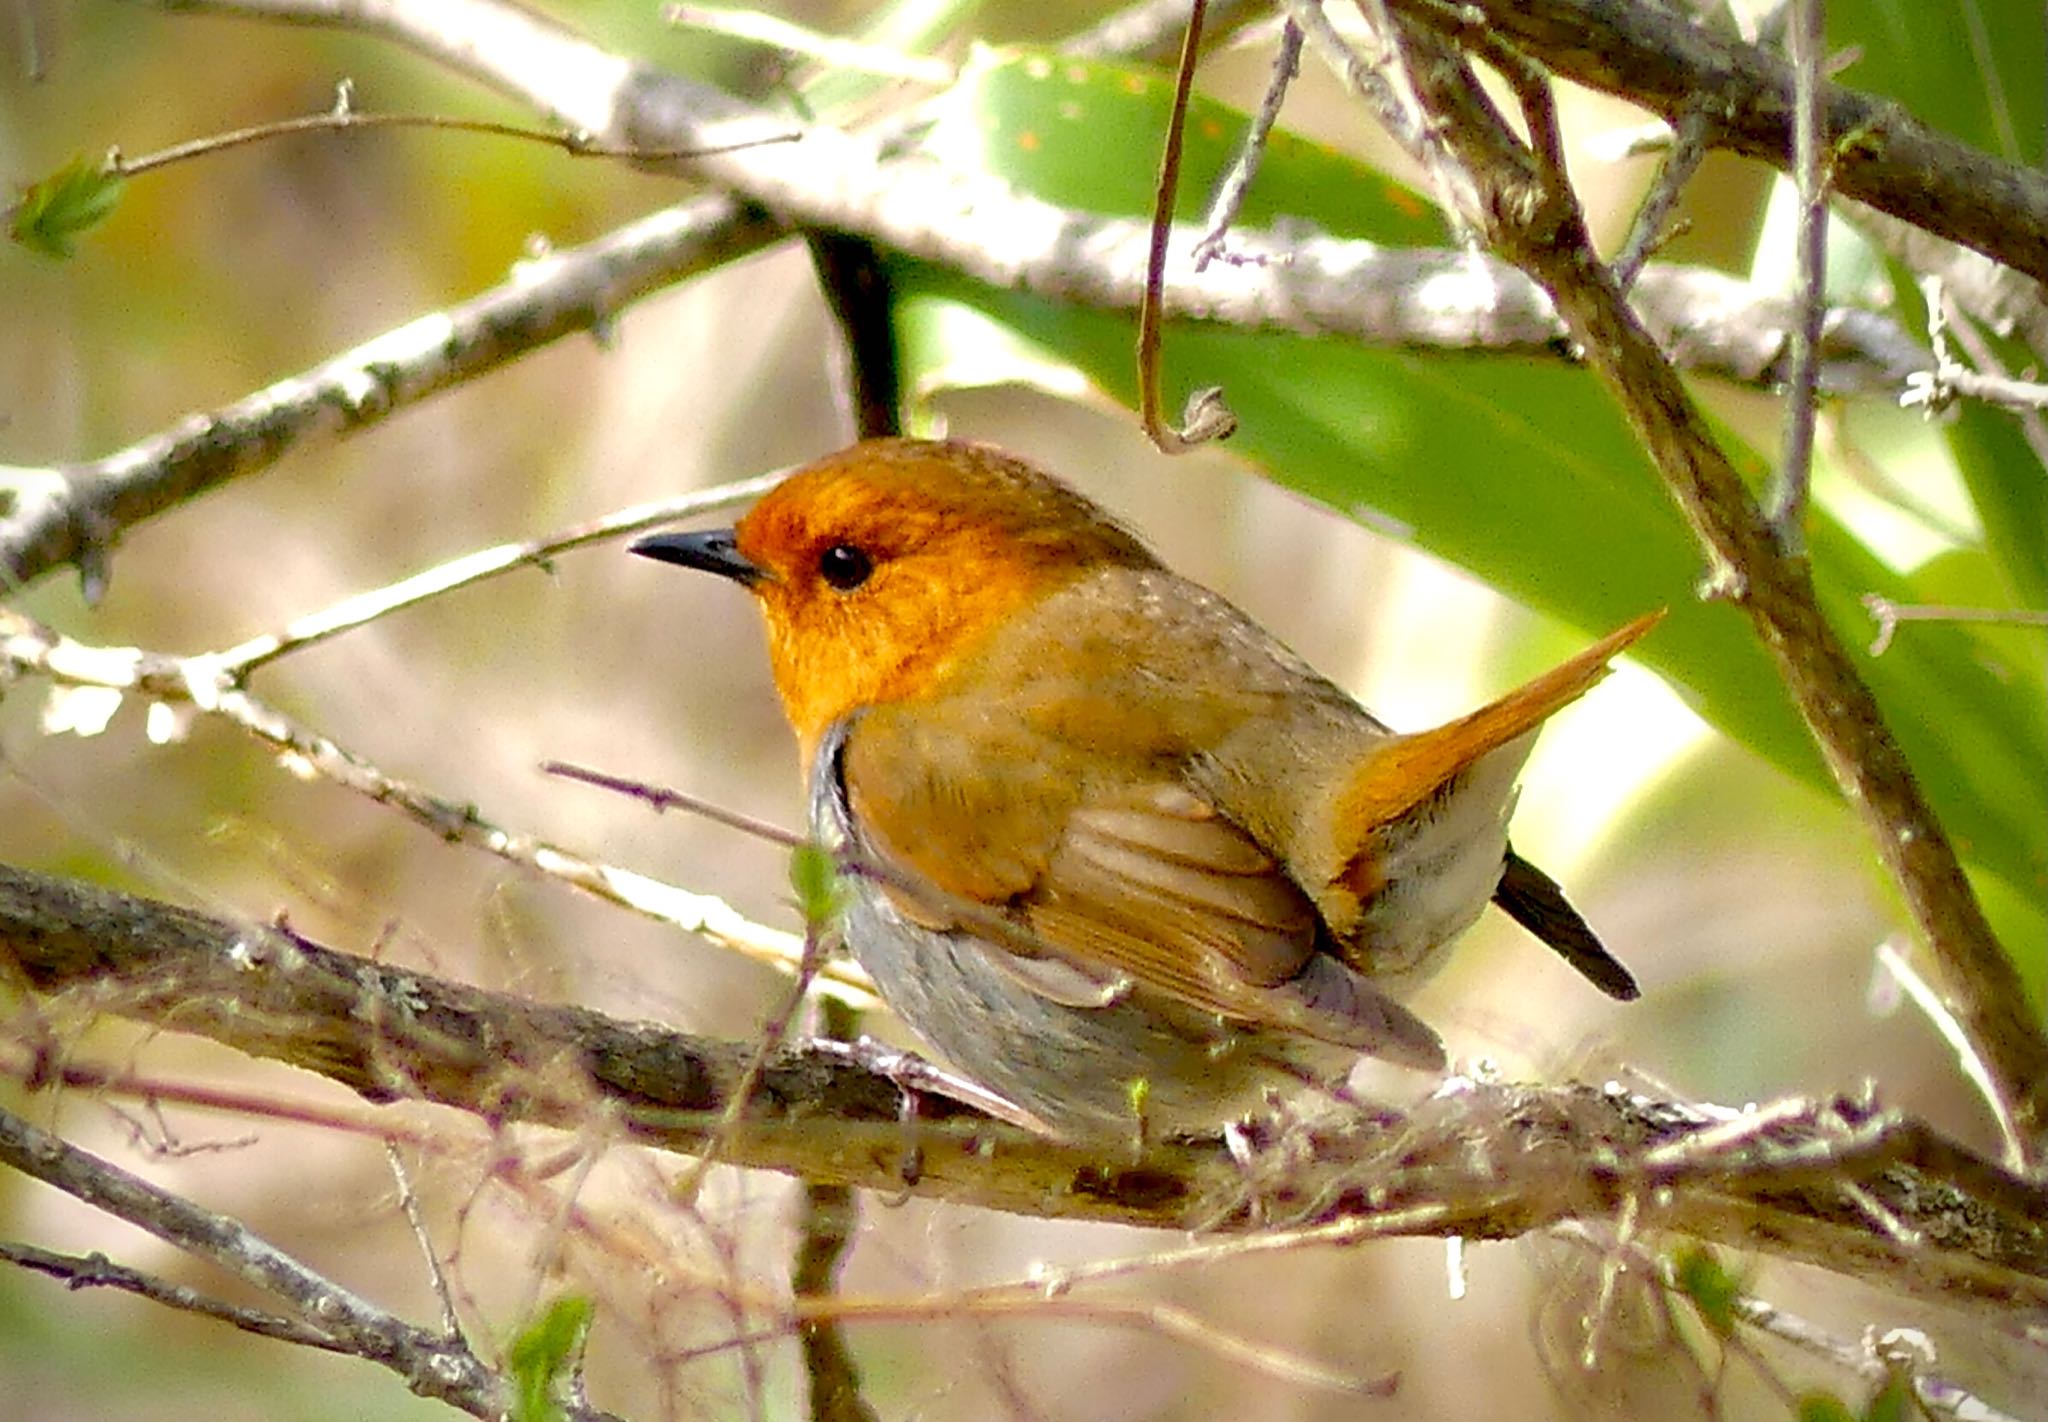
(1527, 212)
(1660, 58)
(1649, 55)
(1490, 1162)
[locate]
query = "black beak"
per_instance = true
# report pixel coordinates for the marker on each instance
(713, 550)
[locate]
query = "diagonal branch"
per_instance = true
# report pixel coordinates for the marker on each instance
(431, 1364)
(1528, 214)
(1661, 58)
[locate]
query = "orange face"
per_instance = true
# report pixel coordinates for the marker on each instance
(879, 568)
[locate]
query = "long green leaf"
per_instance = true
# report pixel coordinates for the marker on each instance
(1523, 472)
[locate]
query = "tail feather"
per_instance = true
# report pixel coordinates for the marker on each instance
(1411, 768)
(1533, 899)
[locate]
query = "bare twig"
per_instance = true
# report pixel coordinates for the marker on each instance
(1649, 231)
(416, 1221)
(343, 118)
(1230, 193)
(825, 1232)
(236, 663)
(430, 1365)
(659, 798)
(1786, 503)
(1363, 75)
(1889, 615)
(96, 1271)
(1207, 417)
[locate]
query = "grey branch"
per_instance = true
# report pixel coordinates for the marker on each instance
(70, 513)
(1709, 322)
(1297, 282)
(1834, 1184)
(432, 1365)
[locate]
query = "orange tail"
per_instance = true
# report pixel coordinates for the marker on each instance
(1399, 778)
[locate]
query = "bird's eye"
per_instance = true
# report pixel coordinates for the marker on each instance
(844, 566)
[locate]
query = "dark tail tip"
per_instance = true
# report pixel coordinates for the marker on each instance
(1533, 899)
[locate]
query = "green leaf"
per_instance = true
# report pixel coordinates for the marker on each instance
(55, 211)
(1894, 1402)
(1086, 134)
(1712, 1290)
(1522, 471)
(814, 875)
(544, 1354)
(1977, 70)
(1824, 1407)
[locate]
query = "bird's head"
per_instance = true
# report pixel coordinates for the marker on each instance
(880, 568)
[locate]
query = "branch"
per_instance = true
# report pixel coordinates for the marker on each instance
(54, 516)
(1836, 1184)
(1525, 210)
(1710, 323)
(432, 1365)
(1662, 60)
(71, 513)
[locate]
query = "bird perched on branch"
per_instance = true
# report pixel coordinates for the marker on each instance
(1115, 851)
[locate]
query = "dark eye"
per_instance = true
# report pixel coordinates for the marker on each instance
(844, 566)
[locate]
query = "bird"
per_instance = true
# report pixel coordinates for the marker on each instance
(1110, 848)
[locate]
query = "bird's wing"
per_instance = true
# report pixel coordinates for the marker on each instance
(1087, 893)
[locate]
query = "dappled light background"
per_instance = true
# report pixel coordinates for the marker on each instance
(1743, 901)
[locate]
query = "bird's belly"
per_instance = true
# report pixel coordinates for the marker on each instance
(1115, 1070)
(1135, 1064)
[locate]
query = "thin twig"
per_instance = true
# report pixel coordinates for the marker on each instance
(96, 1271)
(1889, 615)
(1207, 417)
(431, 1366)
(1786, 502)
(774, 1029)
(1968, 1059)
(121, 671)
(342, 119)
(825, 1233)
(416, 1220)
(1230, 194)
(1366, 78)
(1648, 232)
(1935, 390)
(238, 661)
(660, 798)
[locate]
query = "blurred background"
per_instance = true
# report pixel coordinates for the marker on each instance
(1742, 898)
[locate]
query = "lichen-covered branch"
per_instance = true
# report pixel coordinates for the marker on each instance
(1839, 1184)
